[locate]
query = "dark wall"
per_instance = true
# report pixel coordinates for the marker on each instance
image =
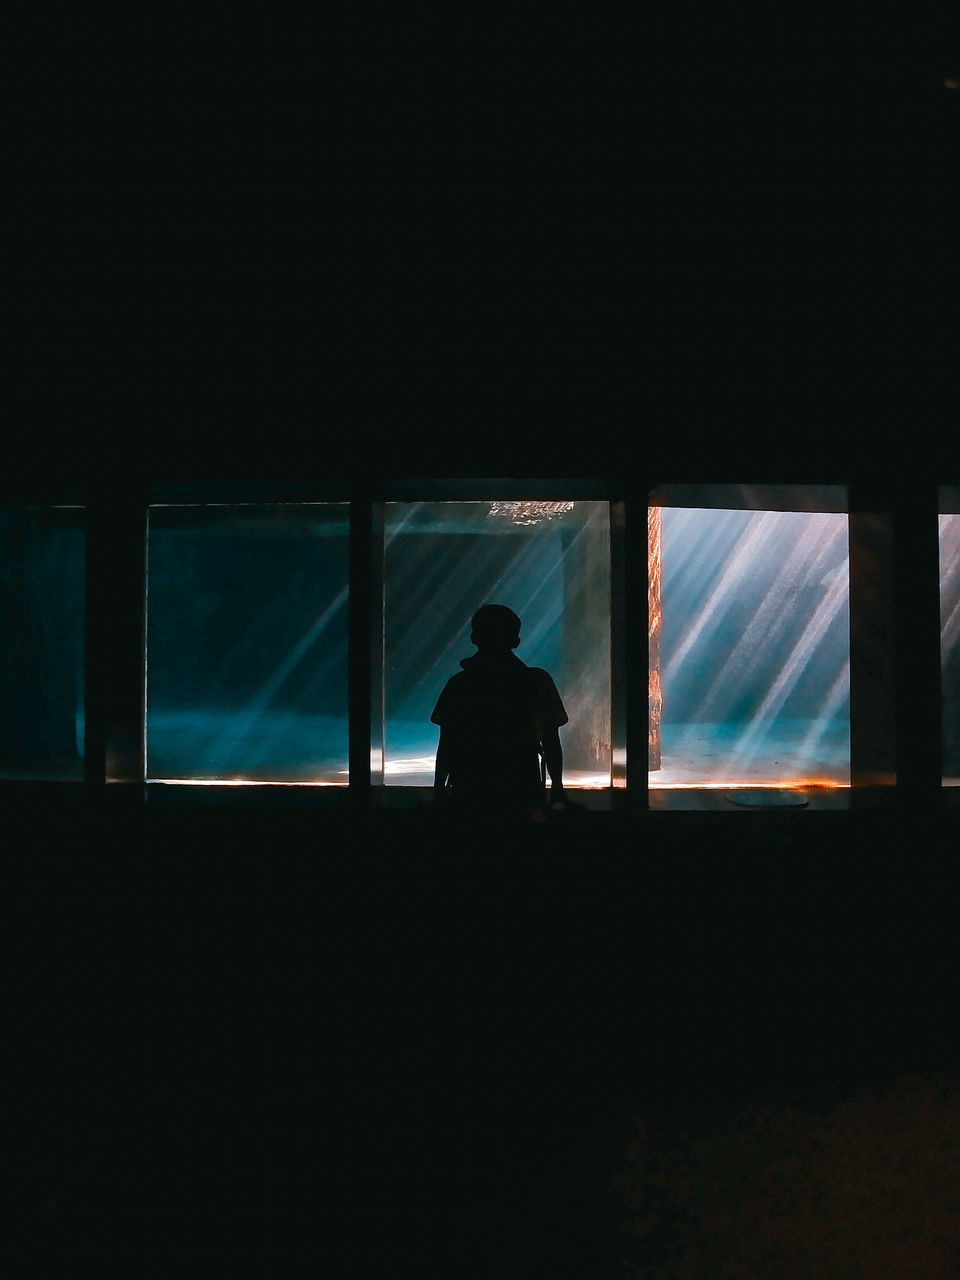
(728, 249)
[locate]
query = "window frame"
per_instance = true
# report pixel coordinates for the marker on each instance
(514, 489)
(815, 498)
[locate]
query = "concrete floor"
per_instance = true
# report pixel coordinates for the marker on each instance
(790, 751)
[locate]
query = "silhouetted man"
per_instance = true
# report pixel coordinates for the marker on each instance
(497, 718)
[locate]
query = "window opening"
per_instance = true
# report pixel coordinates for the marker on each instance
(247, 643)
(749, 648)
(549, 561)
(950, 633)
(42, 643)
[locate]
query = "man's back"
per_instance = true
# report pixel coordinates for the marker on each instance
(494, 716)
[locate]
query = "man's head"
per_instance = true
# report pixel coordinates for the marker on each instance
(495, 627)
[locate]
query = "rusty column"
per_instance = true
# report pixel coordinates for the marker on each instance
(654, 561)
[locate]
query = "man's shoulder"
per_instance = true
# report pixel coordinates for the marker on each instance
(450, 696)
(456, 681)
(537, 677)
(547, 696)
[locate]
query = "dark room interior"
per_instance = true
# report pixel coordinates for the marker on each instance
(319, 340)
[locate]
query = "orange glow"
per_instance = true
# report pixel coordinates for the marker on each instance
(587, 783)
(751, 784)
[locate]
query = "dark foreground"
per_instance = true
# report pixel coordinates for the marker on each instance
(279, 1041)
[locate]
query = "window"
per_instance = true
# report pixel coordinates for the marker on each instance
(247, 616)
(749, 648)
(786, 640)
(42, 597)
(549, 561)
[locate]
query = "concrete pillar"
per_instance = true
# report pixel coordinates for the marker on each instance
(585, 680)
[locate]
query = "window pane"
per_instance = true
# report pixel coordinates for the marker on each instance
(550, 563)
(754, 648)
(42, 642)
(247, 643)
(950, 645)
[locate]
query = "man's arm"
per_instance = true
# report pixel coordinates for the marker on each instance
(553, 755)
(442, 771)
